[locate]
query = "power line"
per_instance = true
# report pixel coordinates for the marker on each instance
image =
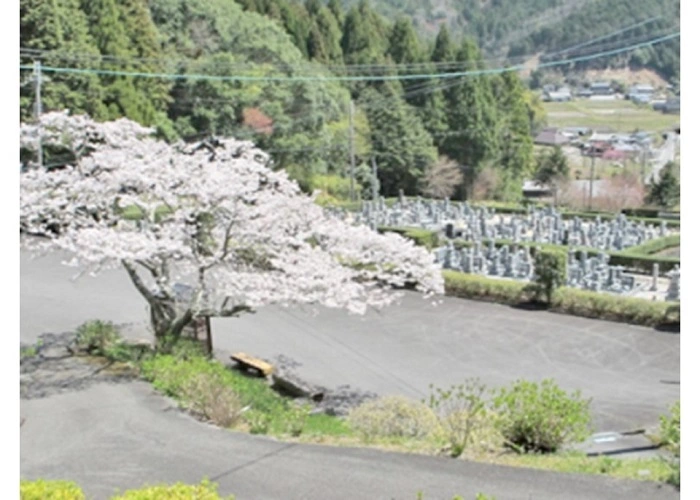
(605, 37)
(325, 78)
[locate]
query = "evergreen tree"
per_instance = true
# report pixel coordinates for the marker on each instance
(402, 147)
(666, 192)
(471, 114)
(337, 11)
(59, 30)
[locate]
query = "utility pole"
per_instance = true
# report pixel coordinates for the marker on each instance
(37, 107)
(352, 151)
(375, 181)
(590, 184)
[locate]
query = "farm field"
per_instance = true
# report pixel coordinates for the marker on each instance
(616, 115)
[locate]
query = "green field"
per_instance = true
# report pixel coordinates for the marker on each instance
(618, 115)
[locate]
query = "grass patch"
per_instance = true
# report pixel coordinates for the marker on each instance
(648, 469)
(618, 115)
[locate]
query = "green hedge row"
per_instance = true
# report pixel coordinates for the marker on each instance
(655, 245)
(565, 300)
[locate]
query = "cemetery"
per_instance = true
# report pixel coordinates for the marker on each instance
(477, 240)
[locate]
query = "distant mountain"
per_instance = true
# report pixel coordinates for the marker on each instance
(520, 28)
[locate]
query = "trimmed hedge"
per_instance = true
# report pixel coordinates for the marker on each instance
(655, 245)
(565, 300)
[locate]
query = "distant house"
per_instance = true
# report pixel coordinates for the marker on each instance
(551, 137)
(601, 88)
(641, 93)
(673, 106)
(561, 95)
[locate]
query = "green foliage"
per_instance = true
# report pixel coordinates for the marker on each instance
(203, 491)
(216, 392)
(258, 422)
(552, 165)
(666, 191)
(541, 417)
(391, 417)
(670, 427)
(473, 286)
(97, 337)
(591, 304)
(550, 274)
(654, 246)
(49, 490)
(461, 409)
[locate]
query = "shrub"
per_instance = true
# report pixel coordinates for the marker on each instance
(212, 399)
(671, 430)
(459, 408)
(203, 491)
(49, 490)
(671, 438)
(591, 304)
(258, 421)
(550, 274)
(393, 416)
(474, 286)
(295, 420)
(541, 417)
(97, 337)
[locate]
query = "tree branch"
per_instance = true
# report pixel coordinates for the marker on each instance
(138, 282)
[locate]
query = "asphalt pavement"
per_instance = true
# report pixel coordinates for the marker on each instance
(119, 436)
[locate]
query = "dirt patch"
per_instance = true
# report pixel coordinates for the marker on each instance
(55, 369)
(627, 76)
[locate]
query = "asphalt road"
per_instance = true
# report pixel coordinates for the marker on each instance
(120, 436)
(113, 437)
(631, 373)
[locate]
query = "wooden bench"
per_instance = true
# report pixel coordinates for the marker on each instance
(247, 362)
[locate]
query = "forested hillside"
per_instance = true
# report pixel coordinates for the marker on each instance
(286, 76)
(520, 29)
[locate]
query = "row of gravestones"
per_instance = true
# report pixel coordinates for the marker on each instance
(537, 225)
(588, 273)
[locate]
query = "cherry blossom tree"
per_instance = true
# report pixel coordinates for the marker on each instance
(211, 216)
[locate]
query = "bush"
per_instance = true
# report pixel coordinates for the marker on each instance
(391, 417)
(258, 422)
(50, 490)
(210, 398)
(550, 274)
(591, 304)
(671, 430)
(541, 417)
(475, 286)
(97, 337)
(671, 438)
(203, 491)
(460, 409)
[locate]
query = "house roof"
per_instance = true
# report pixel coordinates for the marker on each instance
(551, 137)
